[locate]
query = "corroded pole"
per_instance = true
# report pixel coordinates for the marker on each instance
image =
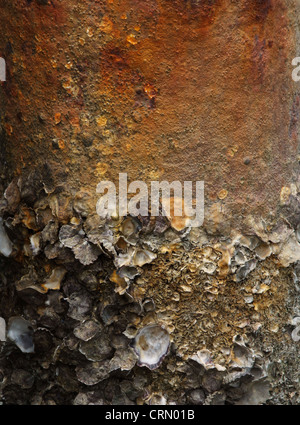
(161, 90)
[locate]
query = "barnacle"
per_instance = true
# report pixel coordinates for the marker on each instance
(241, 355)
(87, 330)
(296, 332)
(74, 238)
(2, 329)
(121, 284)
(123, 359)
(142, 257)
(20, 332)
(5, 243)
(204, 358)
(130, 226)
(30, 281)
(128, 272)
(180, 221)
(35, 241)
(70, 236)
(85, 252)
(97, 348)
(151, 344)
(54, 281)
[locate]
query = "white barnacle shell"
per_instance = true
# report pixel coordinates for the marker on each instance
(142, 257)
(2, 329)
(296, 332)
(5, 243)
(130, 229)
(35, 242)
(241, 355)
(54, 281)
(69, 236)
(204, 358)
(151, 345)
(21, 333)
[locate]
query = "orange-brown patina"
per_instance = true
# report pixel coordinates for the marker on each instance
(160, 89)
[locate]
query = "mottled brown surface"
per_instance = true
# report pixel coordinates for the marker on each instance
(164, 89)
(187, 90)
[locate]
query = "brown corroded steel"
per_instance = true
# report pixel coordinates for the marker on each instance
(163, 90)
(160, 89)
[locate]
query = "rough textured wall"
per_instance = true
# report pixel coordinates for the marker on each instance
(162, 90)
(187, 90)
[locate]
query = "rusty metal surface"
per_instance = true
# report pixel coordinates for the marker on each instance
(163, 90)
(187, 90)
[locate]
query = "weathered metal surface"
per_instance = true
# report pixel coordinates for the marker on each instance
(188, 90)
(162, 90)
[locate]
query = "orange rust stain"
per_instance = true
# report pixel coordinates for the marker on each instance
(61, 144)
(57, 118)
(195, 80)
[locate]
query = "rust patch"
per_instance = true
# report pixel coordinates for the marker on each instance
(261, 8)
(175, 86)
(202, 11)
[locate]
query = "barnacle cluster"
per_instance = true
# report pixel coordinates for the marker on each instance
(136, 310)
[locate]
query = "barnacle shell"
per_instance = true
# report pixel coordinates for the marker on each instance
(125, 259)
(243, 271)
(97, 348)
(290, 251)
(35, 241)
(2, 329)
(100, 235)
(128, 272)
(197, 396)
(157, 400)
(216, 399)
(5, 243)
(121, 284)
(143, 256)
(30, 281)
(123, 359)
(258, 392)
(73, 237)
(86, 253)
(54, 281)
(79, 305)
(239, 258)
(70, 236)
(83, 203)
(87, 330)
(263, 251)
(169, 206)
(12, 195)
(148, 305)
(21, 333)
(50, 231)
(151, 344)
(204, 358)
(28, 218)
(61, 206)
(93, 373)
(109, 314)
(241, 355)
(296, 332)
(130, 228)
